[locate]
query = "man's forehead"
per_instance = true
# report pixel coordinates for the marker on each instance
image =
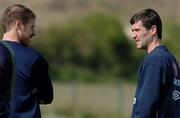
(137, 24)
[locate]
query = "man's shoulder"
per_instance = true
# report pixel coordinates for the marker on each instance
(22, 51)
(160, 53)
(31, 51)
(160, 57)
(2, 47)
(4, 52)
(29, 54)
(24, 54)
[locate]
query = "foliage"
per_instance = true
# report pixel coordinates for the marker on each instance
(86, 48)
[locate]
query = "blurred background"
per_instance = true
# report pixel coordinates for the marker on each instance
(93, 60)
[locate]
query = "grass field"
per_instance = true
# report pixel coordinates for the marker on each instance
(90, 101)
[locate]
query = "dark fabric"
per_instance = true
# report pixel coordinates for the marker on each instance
(154, 92)
(32, 85)
(6, 78)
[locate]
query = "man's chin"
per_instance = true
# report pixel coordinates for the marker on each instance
(138, 47)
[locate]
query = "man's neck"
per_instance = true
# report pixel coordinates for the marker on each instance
(153, 45)
(9, 36)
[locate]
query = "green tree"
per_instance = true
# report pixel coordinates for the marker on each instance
(90, 48)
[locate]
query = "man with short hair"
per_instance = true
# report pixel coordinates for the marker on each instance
(158, 89)
(32, 85)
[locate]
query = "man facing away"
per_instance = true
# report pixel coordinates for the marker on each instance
(32, 85)
(158, 89)
(6, 78)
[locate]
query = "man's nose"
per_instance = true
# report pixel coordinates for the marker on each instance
(133, 35)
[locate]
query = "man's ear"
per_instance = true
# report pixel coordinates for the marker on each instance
(18, 25)
(154, 29)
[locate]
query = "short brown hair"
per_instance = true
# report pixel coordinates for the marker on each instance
(13, 13)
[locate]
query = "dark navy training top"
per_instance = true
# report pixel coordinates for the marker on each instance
(32, 85)
(158, 89)
(6, 79)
